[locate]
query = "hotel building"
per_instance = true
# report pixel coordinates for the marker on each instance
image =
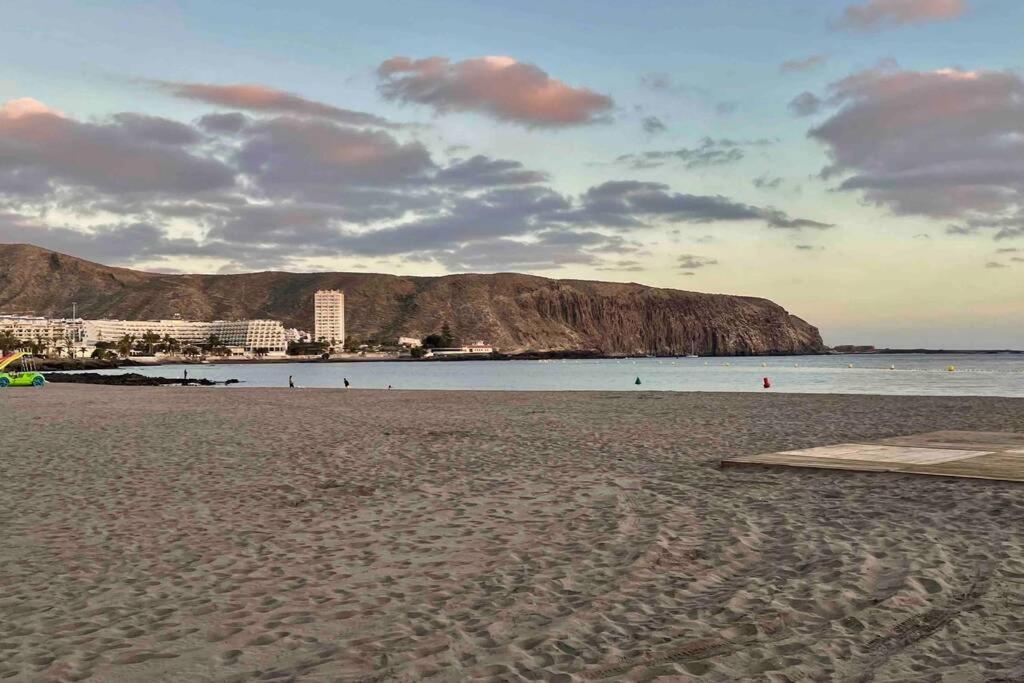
(329, 316)
(246, 335)
(56, 331)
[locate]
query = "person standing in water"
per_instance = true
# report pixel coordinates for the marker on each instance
(345, 380)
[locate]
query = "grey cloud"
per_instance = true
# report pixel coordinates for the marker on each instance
(653, 125)
(766, 182)
(944, 143)
(118, 243)
(709, 152)
(314, 159)
(802, 63)
(805, 104)
(156, 129)
(130, 154)
(232, 122)
(996, 264)
(482, 171)
(633, 204)
(694, 262)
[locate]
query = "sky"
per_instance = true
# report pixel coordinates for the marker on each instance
(860, 162)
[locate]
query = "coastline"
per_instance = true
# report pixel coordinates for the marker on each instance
(331, 534)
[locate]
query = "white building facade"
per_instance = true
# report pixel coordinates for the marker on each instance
(247, 335)
(59, 332)
(329, 316)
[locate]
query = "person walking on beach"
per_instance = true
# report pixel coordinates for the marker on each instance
(184, 382)
(345, 380)
(291, 384)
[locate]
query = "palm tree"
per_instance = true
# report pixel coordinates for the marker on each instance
(8, 342)
(125, 345)
(150, 339)
(171, 345)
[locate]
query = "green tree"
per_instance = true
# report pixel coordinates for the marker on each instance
(149, 341)
(170, 344)
(447, 336)
(8, 342)
(125, 345)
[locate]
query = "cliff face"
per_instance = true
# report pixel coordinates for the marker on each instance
(514, 312)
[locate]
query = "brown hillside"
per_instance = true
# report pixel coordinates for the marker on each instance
(514, 312)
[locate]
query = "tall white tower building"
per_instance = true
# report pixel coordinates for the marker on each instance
(329, 316)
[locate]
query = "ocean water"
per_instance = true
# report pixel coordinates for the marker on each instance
(897, 374)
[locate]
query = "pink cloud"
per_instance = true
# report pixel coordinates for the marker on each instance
(25, 106)
(498, 86)
(254, 97)
(877, 13)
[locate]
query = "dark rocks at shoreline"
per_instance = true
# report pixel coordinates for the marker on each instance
(129, 379)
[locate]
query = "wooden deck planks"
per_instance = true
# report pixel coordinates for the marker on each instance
(973, 455)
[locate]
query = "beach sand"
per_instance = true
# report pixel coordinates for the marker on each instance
(186, 534)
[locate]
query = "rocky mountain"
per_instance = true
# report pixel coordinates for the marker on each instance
(514, 312)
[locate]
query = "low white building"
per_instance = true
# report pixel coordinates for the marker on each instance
(470, 349)
(411, 342)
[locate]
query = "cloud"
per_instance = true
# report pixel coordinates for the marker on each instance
(319, 160)
(624, 265)
(802, 64)
(260, 98)
(130, 153)
(256, 191)
(875, 14)
(709, 152)
(482, 171)
(653, 125)
(766, 182)
(658, 82)
(995, 264)
(499, 87)
(805, 104)
(118, 242)
(628, 204)
(725, 108)
(693, 262)
(945, 143)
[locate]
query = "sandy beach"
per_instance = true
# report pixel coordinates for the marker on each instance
(187, 534)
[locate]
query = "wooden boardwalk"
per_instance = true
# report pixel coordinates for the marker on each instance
(974, 455)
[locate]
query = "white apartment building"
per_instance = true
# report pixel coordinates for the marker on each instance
(329, 316)
(57, 331)
(247, 335)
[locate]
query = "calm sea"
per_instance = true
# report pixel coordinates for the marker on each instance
(902, 374)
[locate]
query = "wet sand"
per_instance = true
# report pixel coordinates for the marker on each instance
(186, 534)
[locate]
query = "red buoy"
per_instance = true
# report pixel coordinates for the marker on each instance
(767, 384)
